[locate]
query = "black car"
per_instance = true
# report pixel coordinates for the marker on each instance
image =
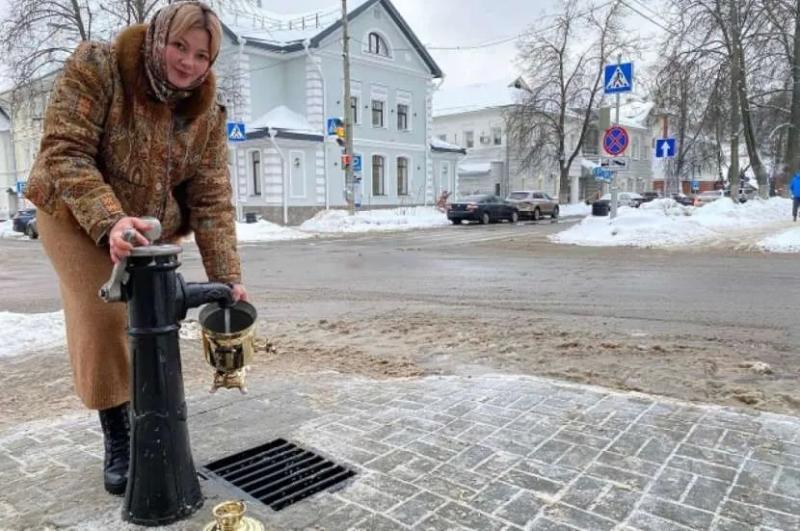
(650, 196)
(485, 208)
(682, 199)
(24, 221)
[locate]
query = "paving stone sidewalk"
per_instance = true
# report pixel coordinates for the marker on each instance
(450, 453)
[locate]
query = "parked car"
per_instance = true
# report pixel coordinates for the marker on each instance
(533, 204)
(709, 197)
(630, 199)
(683, 199)
(24, 221)
(485, 208)
(650, 196)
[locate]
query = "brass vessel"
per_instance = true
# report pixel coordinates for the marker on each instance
(229, 516)
(228, 342)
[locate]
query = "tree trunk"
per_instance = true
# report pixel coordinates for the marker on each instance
(733, 170)
(793, 142)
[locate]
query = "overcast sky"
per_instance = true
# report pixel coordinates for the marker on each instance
(446, 23)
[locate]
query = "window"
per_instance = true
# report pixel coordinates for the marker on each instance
(255, 167)
(469, 139)
(377, 175)
(402, 176)
(497, 136)
(402, 117)
(443, 137)
(377, 45)
(354, 107)
(377, 113)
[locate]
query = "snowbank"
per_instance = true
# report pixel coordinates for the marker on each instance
(575, 209)
(404, 218)
(265, 231)
(664, 223)
(6, 232)
(784, 242)
(23, 333)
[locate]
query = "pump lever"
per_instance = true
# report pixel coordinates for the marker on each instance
(111, 291)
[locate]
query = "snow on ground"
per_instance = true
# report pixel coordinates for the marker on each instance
(785, 242)
(6, 232)
(403, 218)
(575, 209)
(265, 231)
(23, 333)
(665, 223)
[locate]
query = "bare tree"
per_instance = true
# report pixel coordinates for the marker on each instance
(127, 12)
(563, 72)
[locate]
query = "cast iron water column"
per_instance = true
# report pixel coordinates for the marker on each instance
(162, 481)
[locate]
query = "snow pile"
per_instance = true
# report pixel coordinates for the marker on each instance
(784, 242)
(7, 232)
(575, 209)
(664, 223)
(404, 218)
(262, 230)
(23, 333)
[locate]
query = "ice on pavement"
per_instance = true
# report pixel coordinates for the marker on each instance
(403, 218)
(665, 223)
(25, 333)
(785, 242)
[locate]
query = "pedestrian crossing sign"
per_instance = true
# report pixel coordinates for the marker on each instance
(618, 78)
(236, 132)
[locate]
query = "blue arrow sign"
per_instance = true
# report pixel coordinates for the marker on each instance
(618, 78)
(236, 132)
(665, 148)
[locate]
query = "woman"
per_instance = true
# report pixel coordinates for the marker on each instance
(132, 129)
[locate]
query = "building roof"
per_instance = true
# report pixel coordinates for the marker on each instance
(287, 33)
(437, 144)
(475, 97)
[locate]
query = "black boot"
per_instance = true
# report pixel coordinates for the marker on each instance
(117, 438)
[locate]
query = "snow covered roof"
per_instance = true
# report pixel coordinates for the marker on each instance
(634, 113)
(437, 144)
(475, 97)
(282, 117)
(287, 32)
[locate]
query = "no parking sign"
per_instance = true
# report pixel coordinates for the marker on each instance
(615, 140)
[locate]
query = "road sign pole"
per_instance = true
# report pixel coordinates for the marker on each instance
(614, 178)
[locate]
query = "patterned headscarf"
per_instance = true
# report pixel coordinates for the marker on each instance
(155, 46)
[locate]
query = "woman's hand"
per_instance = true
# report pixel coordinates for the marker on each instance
(118, 246)
(238, 292)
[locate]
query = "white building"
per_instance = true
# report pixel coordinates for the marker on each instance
(474, 117)
(283, 78)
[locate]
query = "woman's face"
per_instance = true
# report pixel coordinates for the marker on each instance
(187, 57)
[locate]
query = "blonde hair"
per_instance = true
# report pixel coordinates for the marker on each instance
(193, 16)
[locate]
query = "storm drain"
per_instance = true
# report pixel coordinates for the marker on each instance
(279, 473)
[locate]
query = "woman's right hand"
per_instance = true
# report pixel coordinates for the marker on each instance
(120, 247)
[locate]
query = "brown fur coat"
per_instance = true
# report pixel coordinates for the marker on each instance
(109, 149)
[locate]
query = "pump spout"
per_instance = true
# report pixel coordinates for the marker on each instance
(194, 294)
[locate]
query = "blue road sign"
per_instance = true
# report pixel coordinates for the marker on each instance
(21, 187)
(332, 124)
(618, 78)
(357, 163)
(602, 174)
(236, 132)
(615, 140)
(665, 148)
(695, 186)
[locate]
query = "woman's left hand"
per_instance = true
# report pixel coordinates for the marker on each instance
(238, 292)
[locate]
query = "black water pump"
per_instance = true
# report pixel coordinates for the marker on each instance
(162, 481)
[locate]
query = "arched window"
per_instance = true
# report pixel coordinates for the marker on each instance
(377, 45)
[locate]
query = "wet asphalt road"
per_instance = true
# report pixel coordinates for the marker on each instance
(492, 269)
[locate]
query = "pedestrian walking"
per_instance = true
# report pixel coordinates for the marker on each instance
(132, 129)
(794, 187)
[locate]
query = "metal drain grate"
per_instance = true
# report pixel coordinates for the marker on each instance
(279, 473)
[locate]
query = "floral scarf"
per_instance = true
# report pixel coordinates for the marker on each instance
(155, 47)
